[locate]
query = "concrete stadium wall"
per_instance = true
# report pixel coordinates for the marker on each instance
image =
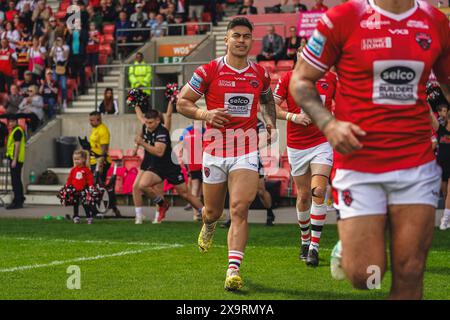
(123, 128)
(40, 150)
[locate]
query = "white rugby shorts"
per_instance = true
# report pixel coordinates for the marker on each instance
(216, 169)
(361, 194)
(300, 160)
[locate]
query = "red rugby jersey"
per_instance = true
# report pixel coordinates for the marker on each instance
(299, 136)
(238, 91)
(383, 61)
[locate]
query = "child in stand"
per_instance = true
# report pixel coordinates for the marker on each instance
(80, 177)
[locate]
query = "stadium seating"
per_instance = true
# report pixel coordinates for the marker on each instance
(115, 154)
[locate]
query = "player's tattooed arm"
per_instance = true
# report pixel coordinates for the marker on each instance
(343, 136)
(268, 109)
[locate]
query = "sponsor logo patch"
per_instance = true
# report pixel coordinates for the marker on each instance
(196, 81)
(424, 40)
(417, 24)
(402, 32)
(373, 24)
(316, 43)
(226, 83)
(376, 43)
(239, 104)
(396, 81)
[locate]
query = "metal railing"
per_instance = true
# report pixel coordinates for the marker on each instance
(124, 87)
(148, 33)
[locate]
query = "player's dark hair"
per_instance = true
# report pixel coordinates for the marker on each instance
(240, 22)
(152, 114)
(442, 106)
(95, 113)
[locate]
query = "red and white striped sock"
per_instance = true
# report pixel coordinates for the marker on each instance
(235, 259)
(304, 222)
(318, 216)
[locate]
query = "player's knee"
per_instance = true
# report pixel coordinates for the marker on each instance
(304, 198)
(212, 212)
(239, 209)
(318, 193)
(409, 268)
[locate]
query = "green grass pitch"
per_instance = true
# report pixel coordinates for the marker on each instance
(119, 260)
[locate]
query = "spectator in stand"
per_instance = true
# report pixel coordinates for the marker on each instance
(140, 74)
(37, 55)
(319, 6)
(25, 16)
(107, 12)
(160, 28)
(60, 58)
(50, 32)
(77, 40)
(93, 46)
(40, 16)
(177, 30)
(84, 15)
(32, 108)
(8, 58)
(272, 46)
(12, 35)
(14, 100)
(49, 92)
(151, 19)
(123, 37)
(196, 8)
(180, 6)
(22, 52)
(247, 8)
(23, 4)
(12, 12)
(109, 105)
(291, 44)
(138, 21)
(95, 16)
(124, 5)
(27, 82)
(299, 7)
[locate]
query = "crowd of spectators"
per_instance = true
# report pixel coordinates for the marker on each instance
(42, 48)
(283, 6)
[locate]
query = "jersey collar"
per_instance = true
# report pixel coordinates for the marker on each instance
(234, 69)
(394, 16)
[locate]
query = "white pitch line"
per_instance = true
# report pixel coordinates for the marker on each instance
(81, 259)
(136, 243)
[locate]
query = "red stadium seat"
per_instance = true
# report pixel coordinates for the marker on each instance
(115, 154)
(285, 65)
(130, 162)
(268, 65)
(140, 153)
(191, 29)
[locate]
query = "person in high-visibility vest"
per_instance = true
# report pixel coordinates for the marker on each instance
(140, 74)
(15, 152)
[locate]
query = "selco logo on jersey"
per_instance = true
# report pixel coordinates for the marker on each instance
(396, 81)
(398, 75)
(239, 104)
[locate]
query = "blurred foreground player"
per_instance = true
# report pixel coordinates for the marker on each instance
(385, 169)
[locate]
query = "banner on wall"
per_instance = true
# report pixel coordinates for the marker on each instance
(172, 53)
(307, 22)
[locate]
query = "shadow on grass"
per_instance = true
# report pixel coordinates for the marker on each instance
(439, 270)
(314, 295)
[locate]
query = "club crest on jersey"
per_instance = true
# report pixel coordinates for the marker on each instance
(324, 85)
(254, 83)
(424, 40)
(347, 197)
(207, 171)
